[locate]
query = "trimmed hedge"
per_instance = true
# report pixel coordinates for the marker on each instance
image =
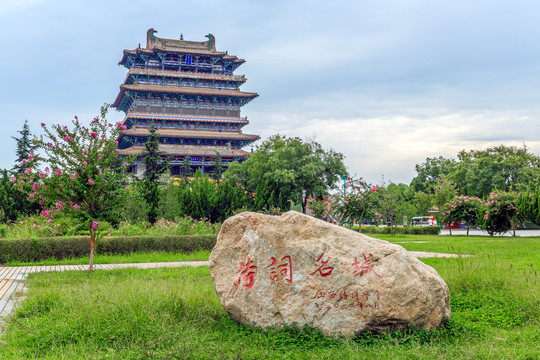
(31, 250)
(414, 230)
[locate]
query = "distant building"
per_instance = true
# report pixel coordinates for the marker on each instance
(189, 91)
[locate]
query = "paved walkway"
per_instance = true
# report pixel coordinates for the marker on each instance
(13, 289)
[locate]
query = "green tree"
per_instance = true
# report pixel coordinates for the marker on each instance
(429, 172)
(462, 209)
(185, 169)
(396, 201)
(218, 168)
(25, 148)
(84, 179)
(13, 202)
(444, 191)
(499, 168)
(422, 202)
(528, 203)
(291, 167)
(156, 165)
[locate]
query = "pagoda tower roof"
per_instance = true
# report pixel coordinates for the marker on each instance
(156, 44)
(188, 90)
(194, 134)
(187, 150)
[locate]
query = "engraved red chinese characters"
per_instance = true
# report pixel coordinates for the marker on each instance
(364, 268)
(325, 272)
(247, 274)
(285, 269)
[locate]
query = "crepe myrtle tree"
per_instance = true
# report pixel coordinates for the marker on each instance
(500, 213)
(358, 202)
(466, 209)
(85, 179)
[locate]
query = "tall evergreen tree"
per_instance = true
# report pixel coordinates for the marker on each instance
(185, 169)
(156, 165)
(218, 168)
(24, 148)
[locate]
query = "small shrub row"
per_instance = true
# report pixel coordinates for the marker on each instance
(32, 250)
(413, 230)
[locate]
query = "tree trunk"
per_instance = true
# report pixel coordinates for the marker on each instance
(92, 246)
(359, 227)
(468, 227)
(450, 229)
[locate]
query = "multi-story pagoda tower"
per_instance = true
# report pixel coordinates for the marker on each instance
(188, 90)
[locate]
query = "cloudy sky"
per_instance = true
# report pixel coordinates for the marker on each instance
(386, 83)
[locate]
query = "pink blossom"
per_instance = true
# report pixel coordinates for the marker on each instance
(42, 124)
(95, 224)
(27, 171)
(41, 202)
(124, 164)
(93, 134)
(41, 175)
(85, 160)
(44, 213)
(85, 152)
(91, 182)
(23, 161)
(102, 137)
(76, 118)
(68, 138)
(74, 176)
(58, 172)
(32, 195)
(35, 187)
(76, 207)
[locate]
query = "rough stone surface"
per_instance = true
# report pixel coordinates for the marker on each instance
(294, 269)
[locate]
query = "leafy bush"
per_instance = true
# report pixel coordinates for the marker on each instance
(31, 250)
(61, 225)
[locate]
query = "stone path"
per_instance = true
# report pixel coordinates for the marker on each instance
(13, 289)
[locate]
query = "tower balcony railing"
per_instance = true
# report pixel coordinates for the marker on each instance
(164, 72)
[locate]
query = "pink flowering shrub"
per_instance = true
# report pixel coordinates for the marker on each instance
(357, 203)
(85, 172)
(462, 209)
(319, 208)
(500, 214)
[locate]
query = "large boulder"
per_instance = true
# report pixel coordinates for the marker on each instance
(271, 271)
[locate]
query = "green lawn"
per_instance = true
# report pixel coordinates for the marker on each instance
(175, 314)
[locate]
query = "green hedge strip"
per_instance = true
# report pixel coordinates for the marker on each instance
(413, 230)
(31, 250)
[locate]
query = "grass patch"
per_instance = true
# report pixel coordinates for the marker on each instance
(200, 255)
(175, 314)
